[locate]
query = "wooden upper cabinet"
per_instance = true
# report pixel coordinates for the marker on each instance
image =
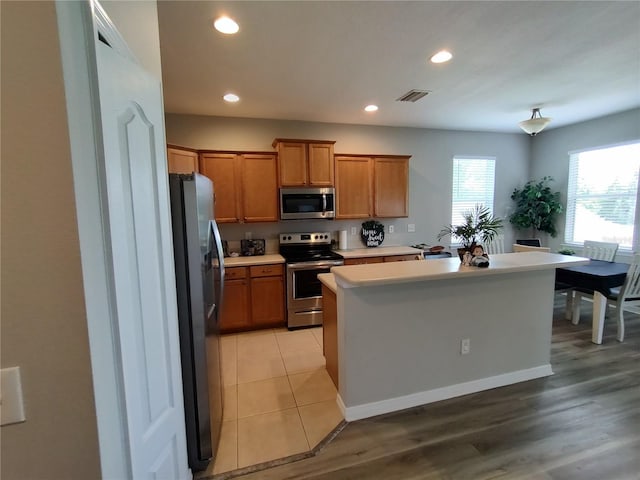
(259, 187)
(305, 162)
(180, 160)
(391, 187)
(372, 186)
(321, 164)
(223, 170)
(354, 187)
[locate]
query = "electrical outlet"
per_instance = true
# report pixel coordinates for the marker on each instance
(392, 229)
(248, 235)
(411, 228)
(354, 230)
(465, 346)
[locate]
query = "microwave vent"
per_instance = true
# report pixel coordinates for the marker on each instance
(413, 96)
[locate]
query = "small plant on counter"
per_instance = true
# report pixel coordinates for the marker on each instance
(480, 227)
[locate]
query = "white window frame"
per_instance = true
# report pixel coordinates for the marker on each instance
(489, 197)
(572, 196)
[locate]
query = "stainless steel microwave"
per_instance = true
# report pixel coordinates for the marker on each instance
(307, 203)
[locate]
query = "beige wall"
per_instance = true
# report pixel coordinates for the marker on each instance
(43, 327)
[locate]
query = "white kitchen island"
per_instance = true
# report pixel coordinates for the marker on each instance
(400, 327)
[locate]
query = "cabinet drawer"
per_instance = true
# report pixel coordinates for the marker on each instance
(363, 260)
(402, 258)
(267, 270)
(231, 273)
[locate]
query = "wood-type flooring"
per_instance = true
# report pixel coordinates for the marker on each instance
(582, 423)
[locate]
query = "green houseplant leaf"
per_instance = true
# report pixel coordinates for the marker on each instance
(537, 207)
(479, 226)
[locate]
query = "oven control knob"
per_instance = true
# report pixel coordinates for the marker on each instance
(289, 237)
(316, 237)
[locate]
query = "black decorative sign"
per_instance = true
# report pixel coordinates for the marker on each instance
(372, 233)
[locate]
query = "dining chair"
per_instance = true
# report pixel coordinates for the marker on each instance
(628, 293)
(496, 245)
(600, 250)
(528, 248)
(593, 250)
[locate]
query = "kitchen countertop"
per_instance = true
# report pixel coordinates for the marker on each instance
(378, 252)
(253, 260)
(328, 280)
(447, 268)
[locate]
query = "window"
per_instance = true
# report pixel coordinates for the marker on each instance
(602, 195)
(473, 183)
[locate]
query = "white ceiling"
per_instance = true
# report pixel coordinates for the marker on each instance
(324, 61)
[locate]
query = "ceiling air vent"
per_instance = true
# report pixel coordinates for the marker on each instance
(413, 96)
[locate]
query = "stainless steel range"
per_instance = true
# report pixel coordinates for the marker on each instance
(306, 255)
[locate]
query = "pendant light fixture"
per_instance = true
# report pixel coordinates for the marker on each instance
(535, 124)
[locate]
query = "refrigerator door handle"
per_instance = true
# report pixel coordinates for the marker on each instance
(214, 235)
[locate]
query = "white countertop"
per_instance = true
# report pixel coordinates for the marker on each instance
(253, 260)
(328, 280)
(447, 268)
(378, 252)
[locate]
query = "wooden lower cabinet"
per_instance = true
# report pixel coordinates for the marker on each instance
(403, 258)
(363, 260)
(330, 332)
(253, 298)
(380, 259)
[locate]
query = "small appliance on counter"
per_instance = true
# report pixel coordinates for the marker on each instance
(432, 252)
(249, 248)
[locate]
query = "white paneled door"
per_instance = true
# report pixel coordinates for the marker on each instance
(139, 227)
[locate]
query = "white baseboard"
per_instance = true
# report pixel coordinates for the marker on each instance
(358, 412)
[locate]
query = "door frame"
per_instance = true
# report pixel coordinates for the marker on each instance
(78, 23)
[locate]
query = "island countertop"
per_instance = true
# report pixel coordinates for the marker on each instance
(354, 276)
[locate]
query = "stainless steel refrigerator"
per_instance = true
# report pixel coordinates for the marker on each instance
(199, 265)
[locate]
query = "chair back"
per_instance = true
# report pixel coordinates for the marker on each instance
(527, 248)
(532, 242)
(631, 287)
(599, 250)
(496, 245)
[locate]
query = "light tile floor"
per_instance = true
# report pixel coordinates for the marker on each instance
(278, 398)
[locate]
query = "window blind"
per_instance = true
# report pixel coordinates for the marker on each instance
(602, 194)
(473, 183)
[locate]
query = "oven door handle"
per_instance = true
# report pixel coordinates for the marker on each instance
(314, 265)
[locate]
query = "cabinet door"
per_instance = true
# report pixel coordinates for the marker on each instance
(224, 172)
(292, 160)
(267, 301)
(330, 333)
(260, 188)
(181, 161)
(391, 187)
(353, 187)
(235, 314)
(321, 164)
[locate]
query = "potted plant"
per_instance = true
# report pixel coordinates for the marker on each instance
(480, 226)
(537, 207)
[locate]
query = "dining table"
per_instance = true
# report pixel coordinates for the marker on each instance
(597, 277)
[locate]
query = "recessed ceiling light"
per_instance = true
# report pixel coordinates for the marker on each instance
(370, 108)
(231, 98)
(441, 57)
(226, 25)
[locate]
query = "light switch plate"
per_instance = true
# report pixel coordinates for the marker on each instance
(411, 228)
(11, 404)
